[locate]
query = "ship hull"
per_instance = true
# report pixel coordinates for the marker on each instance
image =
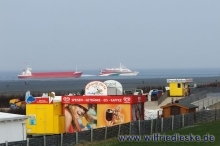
(121, 71)
(119, 74)
(51, 75)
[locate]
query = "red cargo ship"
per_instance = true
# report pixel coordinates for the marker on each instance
(27, 74)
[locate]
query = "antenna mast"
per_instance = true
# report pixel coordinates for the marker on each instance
(26, 64)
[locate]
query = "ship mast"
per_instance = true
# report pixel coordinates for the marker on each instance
(120, 67)
(26, 65)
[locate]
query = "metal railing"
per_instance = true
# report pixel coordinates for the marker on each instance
(211, 103)
(163, 97)
(194, 97)
(141, 127)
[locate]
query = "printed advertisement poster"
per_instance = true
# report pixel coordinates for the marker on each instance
(113, 114)
(137, 111)
(80, 117)
(96, 88)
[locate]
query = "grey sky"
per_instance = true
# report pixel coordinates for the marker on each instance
(95, 34)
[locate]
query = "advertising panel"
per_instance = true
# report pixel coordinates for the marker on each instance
(96, 88)
(45, 99)
(86, 112)
(113, 114)
(137, 111)
(38, 100)
(97, 99)
(80, 117)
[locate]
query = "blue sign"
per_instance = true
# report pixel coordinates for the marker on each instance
(32, 121)
(30, 99)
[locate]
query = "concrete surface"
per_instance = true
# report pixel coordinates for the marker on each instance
(152, 105)
(211, 99)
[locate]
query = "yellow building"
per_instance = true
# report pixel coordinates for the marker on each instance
(44, 118)
(178, 87)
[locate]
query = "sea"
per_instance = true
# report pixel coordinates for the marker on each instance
(9, 83)
(143, 74)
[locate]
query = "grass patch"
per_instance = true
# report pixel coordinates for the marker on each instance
(211, 128)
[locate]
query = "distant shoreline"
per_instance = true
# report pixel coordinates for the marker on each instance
(69, 86)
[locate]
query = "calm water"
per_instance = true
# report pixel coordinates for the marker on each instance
(9, 83)
(143, 74)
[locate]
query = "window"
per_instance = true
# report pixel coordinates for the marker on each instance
(178, 85)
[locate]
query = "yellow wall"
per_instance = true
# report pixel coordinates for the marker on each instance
(44, 118)
(175, 91)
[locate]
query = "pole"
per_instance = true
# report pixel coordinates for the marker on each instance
(172, 121)
(91, 134)
(130, 129)
(76, 137)
(139, 126)
(44, 140)
(182, 120)
(106, 130)
(151, 126)
(28, 142)
(61, 139)
(119, 129)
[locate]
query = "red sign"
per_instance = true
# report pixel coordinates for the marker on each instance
(139, 98)
(41, 101)
(102, 99)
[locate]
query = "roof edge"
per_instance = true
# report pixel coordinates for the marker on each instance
(14, 118)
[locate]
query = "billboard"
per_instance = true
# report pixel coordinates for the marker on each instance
(80, 117)
(45, 99)
(96, 88)
(86, 112)
(113, 114)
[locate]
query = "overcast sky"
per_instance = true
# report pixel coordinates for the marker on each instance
(95, 34)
